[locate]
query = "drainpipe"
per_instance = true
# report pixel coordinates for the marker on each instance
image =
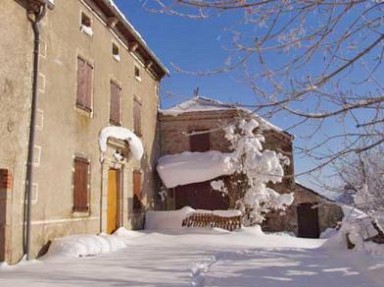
(35, 15)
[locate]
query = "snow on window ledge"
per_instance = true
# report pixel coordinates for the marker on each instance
(135, 144)
(117, 57)
(87, 30)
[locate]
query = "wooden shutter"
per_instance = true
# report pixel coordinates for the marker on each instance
(80, 194)
(84, 85)
(200, 142)
(5, 179)
(137, 117)
(88, 89)
(137, 194)
(115, 104)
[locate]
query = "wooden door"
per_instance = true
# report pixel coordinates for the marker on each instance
(200, 196)
(308, 221)
(113, 200)
(137, 194)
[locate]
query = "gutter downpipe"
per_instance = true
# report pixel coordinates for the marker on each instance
(35, 15)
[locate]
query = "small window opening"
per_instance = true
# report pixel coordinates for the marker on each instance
(115, 52)
(86, 24)
(137, 73)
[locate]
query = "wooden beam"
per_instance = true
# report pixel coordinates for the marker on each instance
(133, 46)
(112, 21)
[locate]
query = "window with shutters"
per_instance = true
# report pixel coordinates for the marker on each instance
(137, 117)
(137, 192)
(84, 85)
(200, 141)
(80, 185)
(115, 105)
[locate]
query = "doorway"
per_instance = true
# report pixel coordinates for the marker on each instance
(308, 220)
(113, 210)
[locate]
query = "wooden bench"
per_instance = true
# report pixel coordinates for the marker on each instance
(212, 220)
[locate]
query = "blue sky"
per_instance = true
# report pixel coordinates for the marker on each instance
(200, 45)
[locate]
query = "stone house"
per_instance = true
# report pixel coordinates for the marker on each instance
(206, 118)
(89, 70)
(197, 126)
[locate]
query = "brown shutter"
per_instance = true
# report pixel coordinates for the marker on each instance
(5, 179)
(200, 142)
(84, 85)
(115, 104)
(81, 82)
(88, 88)
(137, 195)
(80, 195)
(137, 117)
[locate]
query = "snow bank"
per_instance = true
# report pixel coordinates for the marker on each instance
(121, 133)
(172, 219)
(357, 225)
(192, 167)
(86, 245)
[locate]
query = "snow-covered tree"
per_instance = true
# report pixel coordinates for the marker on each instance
(363, 179)
(255, 168)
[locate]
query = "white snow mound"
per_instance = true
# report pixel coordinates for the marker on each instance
(171, 219)
(135, 144)
(85, 245)
(191, 167)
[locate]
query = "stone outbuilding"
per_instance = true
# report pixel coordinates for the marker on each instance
(314, 212)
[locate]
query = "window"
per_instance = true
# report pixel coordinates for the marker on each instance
(137, 73)
(115, 105)
(137, 117)
(137, 194)
(80, 185)
(84, 85)
(86, 24)
(200, 141)
(115, 52)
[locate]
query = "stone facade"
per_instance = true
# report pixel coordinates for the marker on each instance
(65, 131)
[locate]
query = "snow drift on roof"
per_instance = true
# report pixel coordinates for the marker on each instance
(203, 104)
(197, 104)
(137, 35)
(135, 145)
(193, 167)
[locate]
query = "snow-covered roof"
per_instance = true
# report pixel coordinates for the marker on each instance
(191, 167)
(197, 104)
(203, 104)
(111, 5)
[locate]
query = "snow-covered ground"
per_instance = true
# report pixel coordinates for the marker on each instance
(197, 257)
